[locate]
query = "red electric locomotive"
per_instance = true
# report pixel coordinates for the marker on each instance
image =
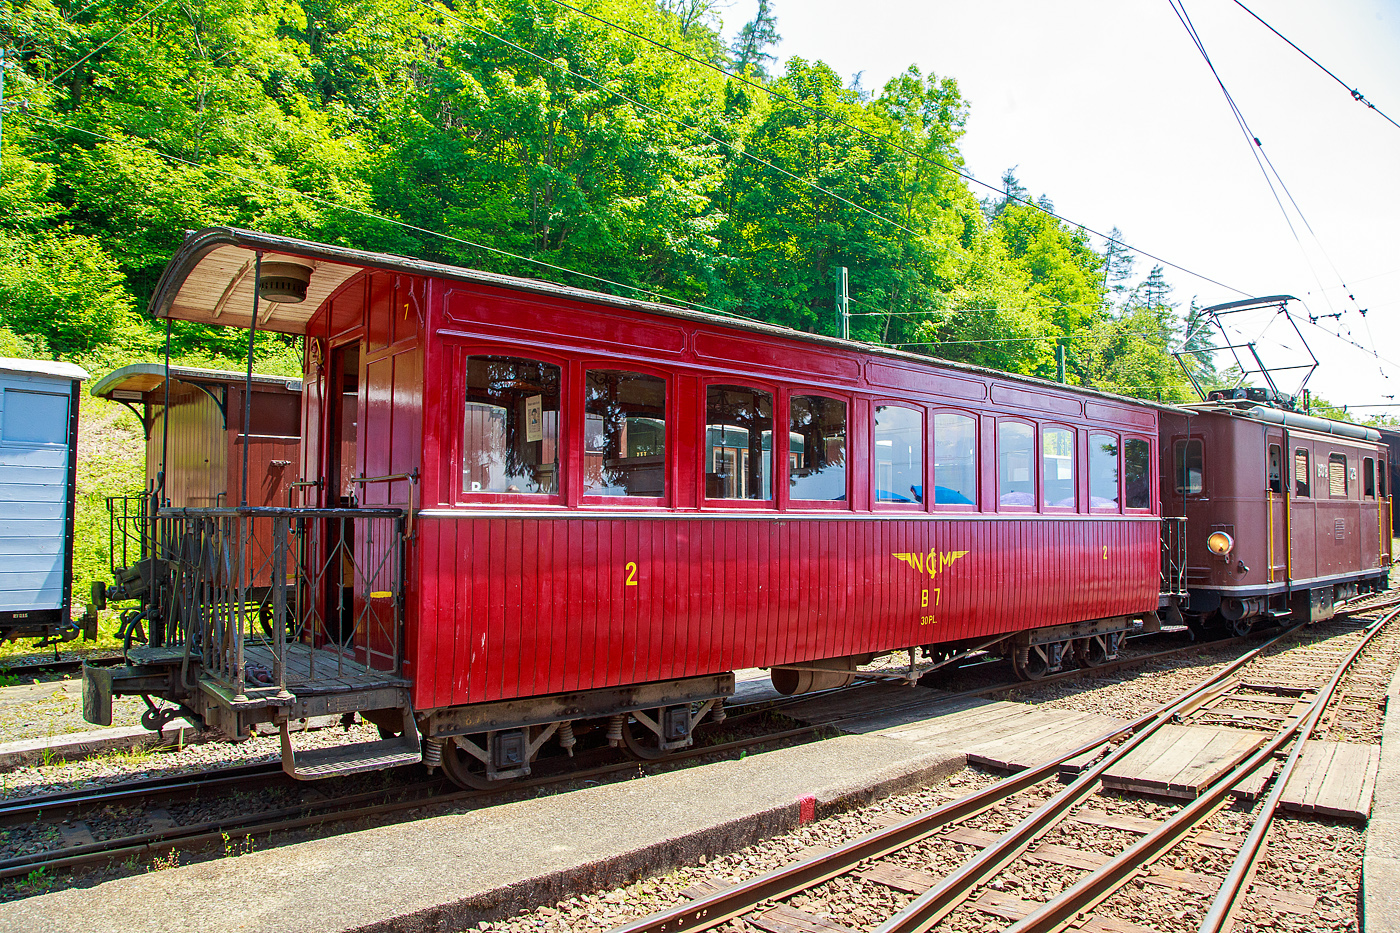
(526, 507)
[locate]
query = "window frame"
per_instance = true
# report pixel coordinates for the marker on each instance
(1123, 475)
(1117, 507)
(68, 401)
(581, 496)
(1368, 477)
(1184, 443)
(925, 435)
(931, 468)
(1334, 457)
(1035, 463)
(788, 500)
(1074, 467)
(564, 456)
(701, 449)
(1307, 457)
(1269, 450)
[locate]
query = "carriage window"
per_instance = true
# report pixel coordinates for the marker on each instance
(817, 448)
(1381, 474)
(1337, 476)
(899, 454)
(624, 434)
(954, 460)
(1189, 469)
(1302, 472)
(1103, 471)
(738, 443)
(1015, 459)
(1368, 477)
(510, 433)
(1275, 468)
(1137, 474)
(1057, 468)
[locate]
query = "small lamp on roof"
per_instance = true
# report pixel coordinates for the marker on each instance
(284, 282)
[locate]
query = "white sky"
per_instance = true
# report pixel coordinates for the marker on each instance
(1106, 107)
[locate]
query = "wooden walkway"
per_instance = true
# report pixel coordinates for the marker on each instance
(1331, 779)
(994, 733)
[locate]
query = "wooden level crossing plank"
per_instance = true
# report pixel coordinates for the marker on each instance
(1037, 741)
(785, 919)
(1333, 779)
(1179, 761)
(899, 877)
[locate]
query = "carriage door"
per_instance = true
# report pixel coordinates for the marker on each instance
(1276, 501)
(341, 493)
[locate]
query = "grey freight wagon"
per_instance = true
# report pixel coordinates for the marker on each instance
(38, 486)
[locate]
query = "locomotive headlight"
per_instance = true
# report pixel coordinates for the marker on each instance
(1220, 543)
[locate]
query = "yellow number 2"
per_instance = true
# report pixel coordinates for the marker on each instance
(1105, 552)
(631, 573)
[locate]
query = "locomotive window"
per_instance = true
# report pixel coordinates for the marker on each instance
(510, 432)
(1275, 469)
(899, 454)
(1368, 477)
(1057, 468)
(1016, 459)
(624, 434)
(1137, 474)
(738, 443)
(1302, 472)
(817, 448)
(954, 460)
(1337, 476)
(1381, 475)
(1103, 471)
(1188, 471)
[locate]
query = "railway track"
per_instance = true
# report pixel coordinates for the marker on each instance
(77, 847)
(951, 868)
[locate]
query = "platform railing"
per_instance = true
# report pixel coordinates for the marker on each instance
(1173, 576)
(128, 531)
(268, 600)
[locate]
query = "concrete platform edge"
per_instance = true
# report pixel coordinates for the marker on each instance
(1380, 865)
(668, 854)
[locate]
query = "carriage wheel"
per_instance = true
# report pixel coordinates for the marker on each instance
(1033, 662)
(1092, 651)
(641, 742)
(464, 769)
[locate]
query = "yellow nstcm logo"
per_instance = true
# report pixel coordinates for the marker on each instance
(931, 563)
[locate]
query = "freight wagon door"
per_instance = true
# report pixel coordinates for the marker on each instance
(34, 470)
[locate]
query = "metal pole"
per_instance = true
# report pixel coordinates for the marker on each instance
(2, 97)
(843, 304)
(248, 379)
(1059, 363)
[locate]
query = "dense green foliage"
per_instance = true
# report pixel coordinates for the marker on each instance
(523, 137)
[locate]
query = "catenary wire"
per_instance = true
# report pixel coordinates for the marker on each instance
(1355, 94)
(443, 11)
(1262, 159)
(399, 223)
(887, 141)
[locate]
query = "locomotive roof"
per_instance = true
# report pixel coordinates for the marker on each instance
(9, 364)
(209, 280)
(138, 379)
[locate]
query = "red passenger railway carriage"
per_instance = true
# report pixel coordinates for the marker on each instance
(541, 509)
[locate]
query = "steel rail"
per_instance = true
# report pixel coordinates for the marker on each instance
(1095, 887)
(713, 909)
(1236, 879)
